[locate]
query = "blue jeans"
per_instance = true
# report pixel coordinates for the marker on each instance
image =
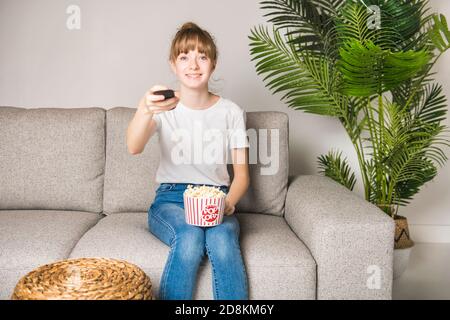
(189, 244)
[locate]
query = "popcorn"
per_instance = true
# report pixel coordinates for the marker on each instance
(203, 205)
(204, 192)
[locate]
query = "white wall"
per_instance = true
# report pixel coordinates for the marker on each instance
(122, 49)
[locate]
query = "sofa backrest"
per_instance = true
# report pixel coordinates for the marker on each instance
(268, 132)
(77, 159)
(52, 158)
(130, 179)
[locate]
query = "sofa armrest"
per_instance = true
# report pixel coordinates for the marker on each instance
(351, 240)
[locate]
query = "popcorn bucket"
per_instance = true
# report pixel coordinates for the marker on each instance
(203, 212)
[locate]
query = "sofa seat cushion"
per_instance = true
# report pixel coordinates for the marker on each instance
(279, 266)
(29, 239)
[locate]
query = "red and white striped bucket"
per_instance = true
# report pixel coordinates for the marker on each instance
(204, 212)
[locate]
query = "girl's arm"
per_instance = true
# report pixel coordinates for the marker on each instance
(143, 126)
(140, 129)
(241, 179)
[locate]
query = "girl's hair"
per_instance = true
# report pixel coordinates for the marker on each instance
(190, 37)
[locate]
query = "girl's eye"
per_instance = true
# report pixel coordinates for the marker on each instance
(184, 58)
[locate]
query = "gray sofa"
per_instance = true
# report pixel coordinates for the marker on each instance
(69, 188)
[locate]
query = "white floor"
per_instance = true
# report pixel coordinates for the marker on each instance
(428, 274)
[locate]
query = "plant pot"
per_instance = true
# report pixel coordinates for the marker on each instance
(402, 238)
(401, 261)
(402, 246)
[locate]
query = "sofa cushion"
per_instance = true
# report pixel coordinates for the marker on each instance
(279, 266)
(268, 163)
(29, 239)
(130, 179)
(52, 158)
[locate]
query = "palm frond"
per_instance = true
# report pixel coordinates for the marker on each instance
(303, 18)
(352, 23)
(439, 34)
(404, 19)
(333, 166)
(409, 152)
(432, 108)
(406, 190)
(368, 69)
(305, 81)
(404, 93)
(310, 23)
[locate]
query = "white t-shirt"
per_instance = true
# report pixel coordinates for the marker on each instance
(196, 145)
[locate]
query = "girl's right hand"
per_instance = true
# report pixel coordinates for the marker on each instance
(151, 104)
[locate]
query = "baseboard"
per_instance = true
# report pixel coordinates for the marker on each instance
(427, 233)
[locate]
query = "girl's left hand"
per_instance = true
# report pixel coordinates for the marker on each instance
(229, 208)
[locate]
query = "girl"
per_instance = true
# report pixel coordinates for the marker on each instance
(193, 58)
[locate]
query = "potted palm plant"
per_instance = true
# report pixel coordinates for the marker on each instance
(368, 63)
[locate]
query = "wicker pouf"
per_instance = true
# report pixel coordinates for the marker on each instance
(85, 279)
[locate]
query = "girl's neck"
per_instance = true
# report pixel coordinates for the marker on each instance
(196, 99)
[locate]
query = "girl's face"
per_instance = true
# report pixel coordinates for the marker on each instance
(193, 69)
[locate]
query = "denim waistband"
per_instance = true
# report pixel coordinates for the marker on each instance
(182, 186)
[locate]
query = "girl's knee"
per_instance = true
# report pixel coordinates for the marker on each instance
(190, 243)
(222, 241)
(227, 230)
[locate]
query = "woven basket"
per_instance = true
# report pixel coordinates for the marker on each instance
(402, 237)
(85, 279)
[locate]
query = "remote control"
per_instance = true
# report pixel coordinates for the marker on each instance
(166, 93)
